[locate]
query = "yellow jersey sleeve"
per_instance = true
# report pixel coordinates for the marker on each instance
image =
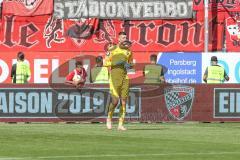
(108, 60)
(130, 58)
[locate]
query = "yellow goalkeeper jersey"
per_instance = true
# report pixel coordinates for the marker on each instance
(116, 55)
(119, 81)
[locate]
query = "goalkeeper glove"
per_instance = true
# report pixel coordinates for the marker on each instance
(118, 63)
(127, 66)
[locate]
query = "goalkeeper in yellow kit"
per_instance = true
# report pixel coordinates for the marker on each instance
(119, 59)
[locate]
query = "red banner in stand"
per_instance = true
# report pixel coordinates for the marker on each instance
(27, 7)
(43, 33)
(217, 5)
(232, 29)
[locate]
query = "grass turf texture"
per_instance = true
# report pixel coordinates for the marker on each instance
(171, 141)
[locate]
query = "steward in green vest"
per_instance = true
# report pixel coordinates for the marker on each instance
(153, 73)
(215, 73)
(99, 74)
(20, 73)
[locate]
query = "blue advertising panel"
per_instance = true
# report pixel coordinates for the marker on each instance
(181, 67)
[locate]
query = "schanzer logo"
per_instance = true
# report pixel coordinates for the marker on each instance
(233, 28)
(179, 100)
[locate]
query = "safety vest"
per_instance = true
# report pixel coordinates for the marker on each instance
(100, 75)
(22, 72)
(215, 74)
(152, 73)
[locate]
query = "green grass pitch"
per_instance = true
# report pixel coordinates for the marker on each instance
(170, 141)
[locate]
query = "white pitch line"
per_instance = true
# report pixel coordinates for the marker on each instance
(123, 155)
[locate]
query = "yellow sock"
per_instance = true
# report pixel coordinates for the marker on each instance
(111, 109)
(122, 115)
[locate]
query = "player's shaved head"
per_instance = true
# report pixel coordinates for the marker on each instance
(122, 37)
(122, 33)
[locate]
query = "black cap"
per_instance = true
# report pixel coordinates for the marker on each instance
(214, 58)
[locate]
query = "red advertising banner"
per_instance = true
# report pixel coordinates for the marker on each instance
(43, 33)
(53, 67)
(154, 103)
(27, 7)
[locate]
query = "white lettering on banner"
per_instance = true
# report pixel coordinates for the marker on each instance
(133, 9)
(47, 102)
(102, 8)
(182, 9)
(40, 69)
(82, 10)
(176, 72)
(183, 62)
(223, 102)
(159, 9)
(171, 9)
(4, 71)
(59, 9)
(93, 8)
(229, 102)
(136, 9)
(123, 9)
(23, 102)
(70, 6)
(98, 102)
(147, 7)
(76, 106)
(3, 102)
(111, 9)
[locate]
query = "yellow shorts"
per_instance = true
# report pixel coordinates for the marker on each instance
(119, 84)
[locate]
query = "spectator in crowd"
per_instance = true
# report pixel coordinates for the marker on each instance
(99, 74)
(215, 73)
(153, 72)
(20, 72)
(78, 76)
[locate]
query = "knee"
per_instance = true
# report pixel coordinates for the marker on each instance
(115, 102)
(123, 102)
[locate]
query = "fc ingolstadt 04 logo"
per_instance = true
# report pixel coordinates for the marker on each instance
(179, 100)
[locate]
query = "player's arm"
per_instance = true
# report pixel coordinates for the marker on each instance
(108, 60)
(28, 73)
(130, 61)
(69, 79)
(162, 78)
(226, 76)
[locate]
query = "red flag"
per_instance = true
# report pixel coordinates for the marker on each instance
(27, 7)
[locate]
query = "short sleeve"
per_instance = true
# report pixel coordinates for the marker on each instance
(108, 60)
(70, 76)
